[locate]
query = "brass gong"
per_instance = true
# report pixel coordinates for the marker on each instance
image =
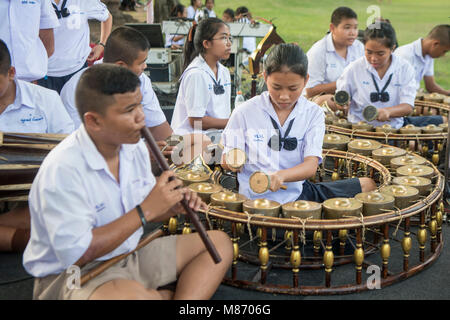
(302, 209)
(421, 183)
(335, 141)
(404, 195)
(375, 202)
(337, 208)
(230, 200)
(262, 206)
(415, 170)
(384, 155)
(363, 146)
(205, 190)
(407, 159)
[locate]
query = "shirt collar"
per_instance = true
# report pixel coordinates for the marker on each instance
(199, 62)
(24, 96)
(91, 154)
(330, 44)
(418, 49)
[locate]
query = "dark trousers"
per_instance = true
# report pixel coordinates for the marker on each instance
(57, 83)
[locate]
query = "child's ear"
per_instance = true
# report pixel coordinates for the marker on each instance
(92, 120)
(265, 76)
(121, 63)
(11, 73)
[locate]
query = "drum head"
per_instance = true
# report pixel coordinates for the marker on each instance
(259, 182)
(370, 113)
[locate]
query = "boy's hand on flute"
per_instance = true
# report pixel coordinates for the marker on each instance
(164, 195)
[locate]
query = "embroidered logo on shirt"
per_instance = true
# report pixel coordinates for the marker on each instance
(332, 65)
(365, 82)
(258, 137)
(28, 2)
(34, 119)
(100, 207)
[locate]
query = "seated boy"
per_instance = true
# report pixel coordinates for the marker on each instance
(25, 107)
(99, 192)
(329, 56)
(422, 52)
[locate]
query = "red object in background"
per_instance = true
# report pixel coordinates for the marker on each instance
(92, 45)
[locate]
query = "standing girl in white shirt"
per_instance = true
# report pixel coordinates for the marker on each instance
(203, 100)
(282, 134)
(383, 80)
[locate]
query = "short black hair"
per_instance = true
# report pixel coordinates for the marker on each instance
(441, 33)
(98, 84)
(124, 44)
(289, 56)
(241, 10)
(383, 32)
(179, 8)
(5, 58)
(229, 12)
(342, 13)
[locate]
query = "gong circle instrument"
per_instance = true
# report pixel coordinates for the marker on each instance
(189, 177)
(259, 182)
(302, 209)
(342, 123)
(375, 202)
(286, 252)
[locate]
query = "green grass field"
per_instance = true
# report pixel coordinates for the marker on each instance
(306, 21)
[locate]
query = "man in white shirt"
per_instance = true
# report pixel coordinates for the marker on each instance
(329, 56)
(99, 192)
(27, 29)
(26, 107)
(72, 38)
(421, 54)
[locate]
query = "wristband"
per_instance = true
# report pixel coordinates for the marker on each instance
(102, 44)
(141, 215)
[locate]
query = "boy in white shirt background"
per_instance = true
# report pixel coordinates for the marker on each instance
(329, 56)
(422, 52)
(72, 50)
(25, 107)
(27, 29)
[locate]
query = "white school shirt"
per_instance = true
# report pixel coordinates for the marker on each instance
(357, 81)
(72, 38)
(170, 42)
(196, 97)
(250, 129)
(20, 22)
(191, 12)
(325, 65)
(154, 116)
(412, 52)
(75, 192)
(35, 110)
